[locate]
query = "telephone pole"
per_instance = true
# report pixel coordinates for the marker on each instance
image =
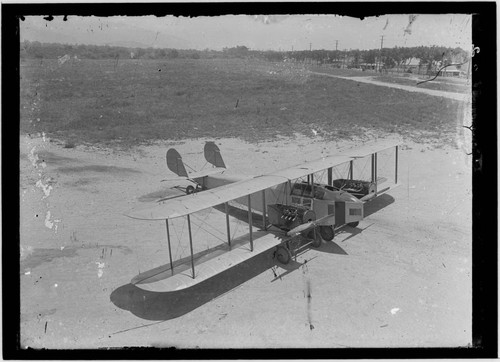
(380, 56)
(310, 46)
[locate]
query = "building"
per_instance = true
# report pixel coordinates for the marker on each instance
(450, 71)
(412, 65)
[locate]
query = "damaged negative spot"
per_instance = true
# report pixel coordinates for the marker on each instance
(46, 188)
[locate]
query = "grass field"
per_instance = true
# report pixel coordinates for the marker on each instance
(137, 101)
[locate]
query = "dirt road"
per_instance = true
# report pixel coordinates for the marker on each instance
(401, 278)
(432, 92)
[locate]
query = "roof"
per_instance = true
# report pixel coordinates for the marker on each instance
(451, 68)
(413, 61)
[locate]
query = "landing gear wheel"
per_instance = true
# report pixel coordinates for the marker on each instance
(189, 190)
(283, 255)
(327, 232)
(353, 224)
(315, 237)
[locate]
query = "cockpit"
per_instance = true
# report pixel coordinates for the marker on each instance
(321, 192)
(305, 189)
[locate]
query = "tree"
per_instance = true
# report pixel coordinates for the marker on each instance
(173, 54)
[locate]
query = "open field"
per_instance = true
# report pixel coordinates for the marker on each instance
(136, 101)
(93, 143)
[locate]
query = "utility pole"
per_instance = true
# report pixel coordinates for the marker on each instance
(380, 56)
(336, 53)
(310, 46)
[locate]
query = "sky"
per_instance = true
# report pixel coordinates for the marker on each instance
(257, 32)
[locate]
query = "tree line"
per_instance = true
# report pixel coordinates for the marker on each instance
(428, 56)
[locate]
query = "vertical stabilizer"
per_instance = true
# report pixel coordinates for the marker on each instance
(175, 164)
(212, 154)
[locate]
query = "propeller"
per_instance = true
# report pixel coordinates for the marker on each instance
(303, 227)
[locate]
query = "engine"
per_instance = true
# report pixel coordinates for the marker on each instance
(287, 217)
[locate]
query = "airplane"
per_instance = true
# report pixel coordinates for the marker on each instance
(290, 207)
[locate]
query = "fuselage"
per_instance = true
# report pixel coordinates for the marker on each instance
(322, 199)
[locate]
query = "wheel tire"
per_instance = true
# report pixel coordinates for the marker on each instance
(315, 237)
(283, 255)
(189, 190)
(353, 224)
(327, 232)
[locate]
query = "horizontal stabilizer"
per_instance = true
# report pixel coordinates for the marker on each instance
(203, 173)
(197, 174)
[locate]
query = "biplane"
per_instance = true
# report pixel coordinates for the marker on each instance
(292, 203)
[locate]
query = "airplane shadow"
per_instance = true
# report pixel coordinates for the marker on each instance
(378, 204)
(169, 305)
(161, 306)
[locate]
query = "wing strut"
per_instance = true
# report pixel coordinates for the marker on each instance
(227, 224)
(396, 170)
(191, 243)
(264, 222)
(169, 248)
(250, 221)
(373, 168)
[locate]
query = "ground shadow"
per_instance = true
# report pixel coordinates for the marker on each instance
(96, 168)
(50, 158)
(377, 204)
(160, 194)
(168, 305)
(331, 247)
(162, 306)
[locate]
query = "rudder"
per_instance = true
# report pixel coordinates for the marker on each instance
(212, 154)
(175, 164)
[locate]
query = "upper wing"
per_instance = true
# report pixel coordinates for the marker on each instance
(370, 148)
(189, 204)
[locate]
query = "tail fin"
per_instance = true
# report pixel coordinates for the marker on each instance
(175, 164)
(212, 154)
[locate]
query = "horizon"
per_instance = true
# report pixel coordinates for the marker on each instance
(259, 33)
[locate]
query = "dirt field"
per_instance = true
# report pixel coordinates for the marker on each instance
(401, 278)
